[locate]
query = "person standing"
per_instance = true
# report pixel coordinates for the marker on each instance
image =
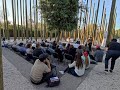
(113, 53)
(90, 43)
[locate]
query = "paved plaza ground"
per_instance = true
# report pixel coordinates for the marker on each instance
(16, 76)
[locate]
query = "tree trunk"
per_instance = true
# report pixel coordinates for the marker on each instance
(7, 30)
(1, 66)
(21, 20)
(30, 21)
(58, 36)
(4, 26)
(34, 19)
(18, 20)
(14, 19)
(110, 26)
(27, 37)
(36, 22)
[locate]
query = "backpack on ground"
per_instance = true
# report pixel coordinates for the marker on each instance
(53, 81)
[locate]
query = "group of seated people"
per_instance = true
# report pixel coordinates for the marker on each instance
(42, 69)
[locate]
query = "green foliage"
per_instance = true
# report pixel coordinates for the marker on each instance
(60, 14)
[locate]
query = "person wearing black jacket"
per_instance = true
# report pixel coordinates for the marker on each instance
(38, 51)
(113, 53)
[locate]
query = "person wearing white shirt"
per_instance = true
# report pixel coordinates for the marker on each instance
(77, 68)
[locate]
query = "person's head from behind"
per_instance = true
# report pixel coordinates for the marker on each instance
(43, 57)
(68, 45)
(29, 45)
(80, 47)
(33, 41)
(114, 40)
(98, 47)
(38, 45)
(79, 62)
(71, 46)
(85, 54)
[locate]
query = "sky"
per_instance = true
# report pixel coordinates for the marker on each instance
(107, 5)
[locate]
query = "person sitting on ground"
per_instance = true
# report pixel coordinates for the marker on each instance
(60, 56)
(78, 42)
(50, 50)
(72, 51)
(21, 48)
(61, 46)
(79, 49)
(67, 48)
(29, 51)
(98, 55)
(41, 70)
(86, 58)
(38, 51)
(77, 68)
(43, 43)
(33, 45)
(54, 44)
(14, 46)
(5, 43)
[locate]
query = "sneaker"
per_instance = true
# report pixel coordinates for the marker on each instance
(62, 72)
(106, 71)
(111, 71)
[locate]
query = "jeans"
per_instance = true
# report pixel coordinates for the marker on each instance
(71, 71)
(113, 55)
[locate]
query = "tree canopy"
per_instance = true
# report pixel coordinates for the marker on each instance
(60, 14)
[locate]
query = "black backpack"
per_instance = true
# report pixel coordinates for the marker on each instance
(53, 81)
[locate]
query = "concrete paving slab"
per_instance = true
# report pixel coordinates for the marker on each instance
(99, 80)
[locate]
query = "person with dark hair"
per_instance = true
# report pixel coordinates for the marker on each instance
(54, 44)
(113, 53)
(38, 51)
(60, 56)
(79, 49)
(72, 51)
(21, 48)
(41, 70)
(90, 43)
(29, 52)
(77, 68)
(98, 55)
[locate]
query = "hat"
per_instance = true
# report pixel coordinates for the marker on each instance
(97, 46)
(43, 56)
(85, 54)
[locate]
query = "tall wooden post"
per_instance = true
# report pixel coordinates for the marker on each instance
(30, 21)
(96, 19)
(18, 20)
(21, 19)
(14, 18)
(27, 36)
(36, 22)
(6, 17)
(110, 26)
(1, 66)
(4, 27)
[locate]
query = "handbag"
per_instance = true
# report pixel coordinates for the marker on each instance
(53, 81)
